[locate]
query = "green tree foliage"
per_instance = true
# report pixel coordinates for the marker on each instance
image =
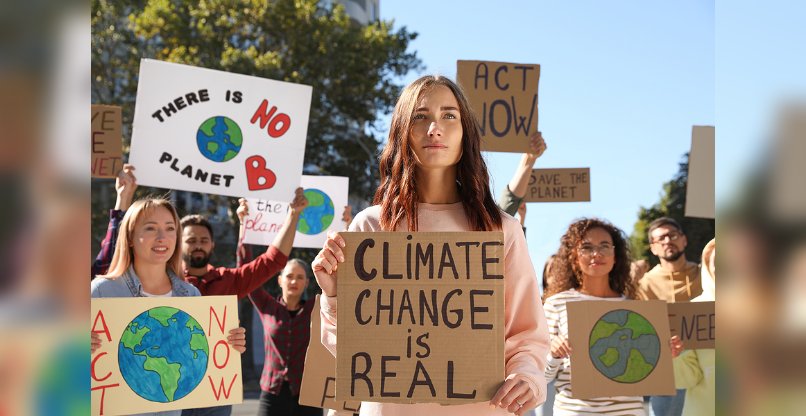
(352, 68)
(699, 231)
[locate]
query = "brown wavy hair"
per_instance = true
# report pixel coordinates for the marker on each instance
(565, 269)
(397, 193)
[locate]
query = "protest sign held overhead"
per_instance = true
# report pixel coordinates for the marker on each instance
(559, 185)
(700, 191)
(327, 196)
(106, 141)
(161, 354)
(620, 349)
(201, 130)
(504, 98)
(404, 301)
(318, 387)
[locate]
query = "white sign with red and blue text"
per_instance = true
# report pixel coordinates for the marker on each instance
(327, 197)
(202, 130)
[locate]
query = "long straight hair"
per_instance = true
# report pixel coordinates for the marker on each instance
(397, 193)
(124, 254)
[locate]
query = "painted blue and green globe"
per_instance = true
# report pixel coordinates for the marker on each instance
(318, 215)
(624, 346)
(163, 354)
(219, 139)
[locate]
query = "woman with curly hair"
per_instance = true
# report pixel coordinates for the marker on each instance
(593, 263)
(433, 178)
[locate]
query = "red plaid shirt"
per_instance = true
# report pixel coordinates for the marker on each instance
(285, 339)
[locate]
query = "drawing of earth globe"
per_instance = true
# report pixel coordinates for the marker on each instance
(163, 354)
(219, 139)
(318, 215)
(624, 346)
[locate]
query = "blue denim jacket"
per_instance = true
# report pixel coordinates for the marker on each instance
(128, 286)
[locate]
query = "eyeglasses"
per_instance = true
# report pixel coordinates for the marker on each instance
(670, 236)
(587, 250)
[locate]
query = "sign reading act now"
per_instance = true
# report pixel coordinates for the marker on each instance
(405, 299)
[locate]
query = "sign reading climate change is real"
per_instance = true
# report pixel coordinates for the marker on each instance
(161, 354)
(201, 130)
(327, 196)
(421, 317)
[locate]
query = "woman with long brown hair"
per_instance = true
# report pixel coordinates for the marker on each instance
(433, 178)
(593, 263)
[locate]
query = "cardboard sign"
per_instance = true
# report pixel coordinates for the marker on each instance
(504, 98)
(327, 196)
(162, 354)
(694, 323)
(620, 349)
(405, 299)
(559, 185)
(700, 195)
(319, 375)
(106, 141)
(220, 133)
(41, 361)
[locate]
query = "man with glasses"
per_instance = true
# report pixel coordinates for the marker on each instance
(675, 279)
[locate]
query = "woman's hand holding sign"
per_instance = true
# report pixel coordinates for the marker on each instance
(327, 262)
(515, 395)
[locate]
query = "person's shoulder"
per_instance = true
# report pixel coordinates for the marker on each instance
(654, 273)
(368, 219)
(562, 297)
(509, 223)
(103, 287)
(192, 290)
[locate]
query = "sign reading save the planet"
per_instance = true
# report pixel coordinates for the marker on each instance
(215, 132)
(620, 349)
(327, 196)
(162, 354)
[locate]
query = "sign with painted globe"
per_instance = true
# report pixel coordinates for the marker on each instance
(216, 132)
(327, 197)
(163, 354)
(624, 346)
(160, 354)
(318, 215)
(621, 349)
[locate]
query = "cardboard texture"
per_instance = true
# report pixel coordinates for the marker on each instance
(174, 355)
(504, 98)
(559, 185)
(694, 323)
(215, 132)
(319, 375)
(620, 349)
(409, 306)
(106, 141)
(700, 194)
(327, 196)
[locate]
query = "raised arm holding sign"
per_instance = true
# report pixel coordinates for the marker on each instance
(434, 179)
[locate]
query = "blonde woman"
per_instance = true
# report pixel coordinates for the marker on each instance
(147, 263)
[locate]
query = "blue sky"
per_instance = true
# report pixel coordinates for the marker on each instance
(622, 83)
